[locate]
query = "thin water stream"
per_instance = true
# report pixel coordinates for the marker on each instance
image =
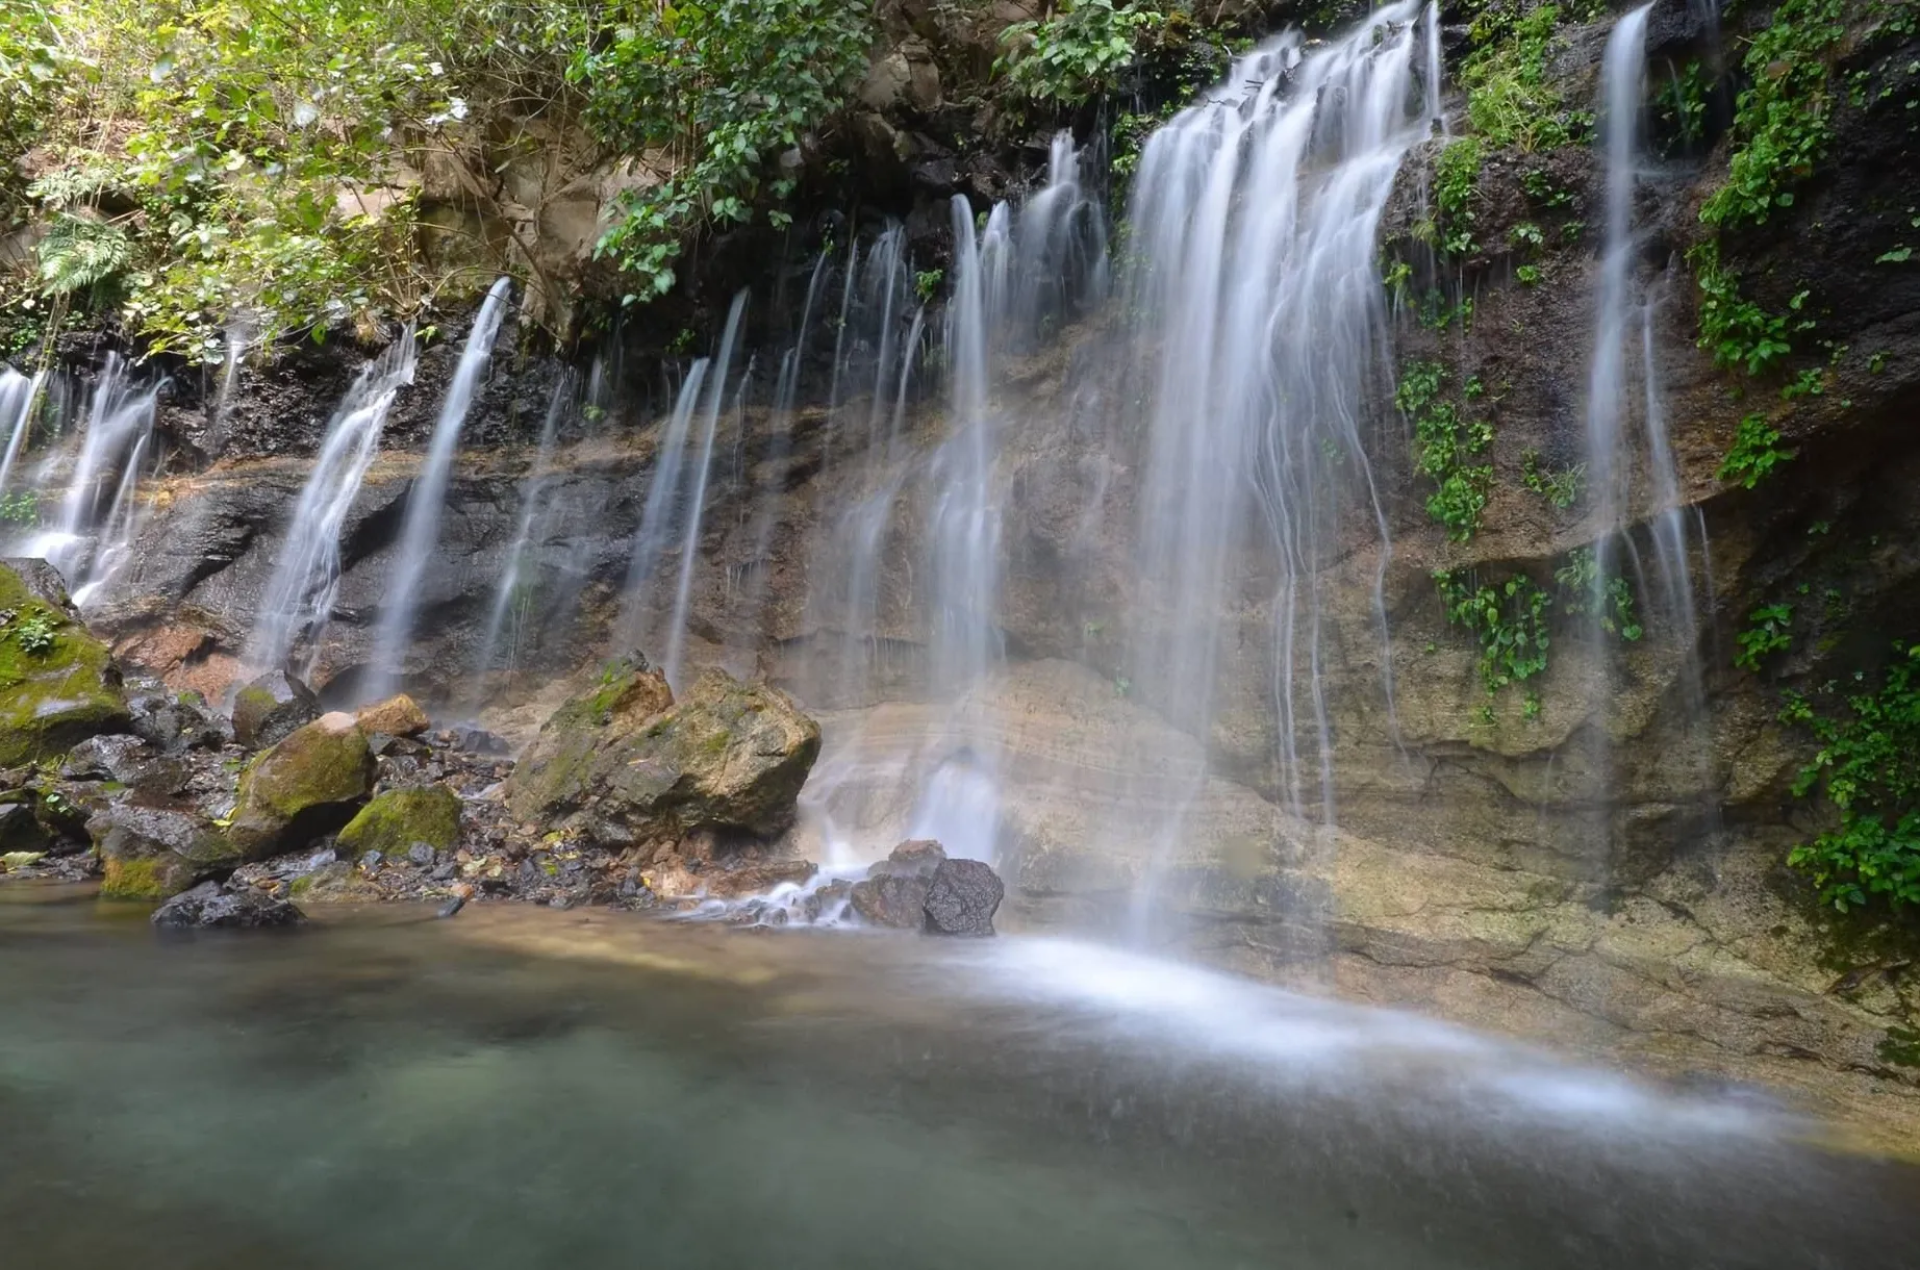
(520, 1088)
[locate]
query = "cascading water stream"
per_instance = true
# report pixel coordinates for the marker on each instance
(112, 444)
(427, 499)
(1255, 215)
(1625, 376)
(19, 394)
(533, 502)
(690, 544)
(298, 602)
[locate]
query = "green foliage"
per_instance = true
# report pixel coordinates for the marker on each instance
(1583, 592)
(79, 253)
(926, 283)
(1079, 52)
(1509, 101)
(1508, 618)
(1682, 107)
(1755, 452)
(1781, 123)
(1739, 332)
(1769, 631)
(22, 507)
(1561, 487)
(1868, 769)
(1445, 443)
(204, 159)
(1455, 174)
(34, 631)
(723, 88)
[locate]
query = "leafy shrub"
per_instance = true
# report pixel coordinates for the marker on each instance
(35, 632)
(1868, 768)
(1509, 101)
(723, 89)
(1755, 452)
(1508, 618)
(1079, 52)
(1769, 630)
(1445, 443)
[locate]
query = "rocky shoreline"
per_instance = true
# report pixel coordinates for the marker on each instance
(628, 798)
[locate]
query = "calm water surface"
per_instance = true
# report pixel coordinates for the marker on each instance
(517, 1088)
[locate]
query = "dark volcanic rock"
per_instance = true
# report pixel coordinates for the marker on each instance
(272, 708)
(212, 905)
(962, 898)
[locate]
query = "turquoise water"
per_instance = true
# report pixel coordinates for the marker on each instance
(526, 1089)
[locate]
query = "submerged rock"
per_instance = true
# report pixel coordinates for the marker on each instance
(398, 715)
(309, 784)
(58, 684)
(627, 764)
(401, 819)
(271, 708)
(149, 853)
(725, 879)
(962, 898)
(212, 905)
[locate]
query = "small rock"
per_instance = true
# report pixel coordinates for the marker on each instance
(452, 906)
(478, 740)
(272, 708)
(962, 898)
(21, 830)
(420, 855)
(127, 760)
(176, 723)
(396, 716)
(445, 872)
(20, 859)
(212, 905)
(916, 858)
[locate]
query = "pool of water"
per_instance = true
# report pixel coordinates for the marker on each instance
(520, 1088)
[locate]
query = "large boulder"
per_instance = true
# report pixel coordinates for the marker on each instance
(962, 898)
(309, 784)
(125, 760)
(149, 853)
(211, 905)
(269, 709)
(397, 819)
(58, 684)
(627, 764)
(174, 722)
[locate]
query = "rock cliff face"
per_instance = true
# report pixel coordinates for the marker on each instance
(1608, 875)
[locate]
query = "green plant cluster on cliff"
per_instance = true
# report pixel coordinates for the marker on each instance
(1510, 101)
(722, 91)
(1079, 51)
(1446, 441)
(1868, 769)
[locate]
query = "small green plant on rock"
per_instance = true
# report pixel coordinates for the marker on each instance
(926, 283)
(1560, 486)
(1755, 452)
(1456, 173)
(1769, 630)
(1445, 443)
(1508, 618)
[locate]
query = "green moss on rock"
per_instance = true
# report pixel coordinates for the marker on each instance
(309, 784)
(53, 697)
(625, 763)
(397, 819)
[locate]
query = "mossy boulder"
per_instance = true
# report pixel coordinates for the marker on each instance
(309, 784)
(150, 853)
(397, 819)
(58, 684)
(626, 763)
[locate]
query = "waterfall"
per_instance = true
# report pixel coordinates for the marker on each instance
(1255, 213)
(113, 441)
(428, 497)
(656, 514)
(533, 502)
(19, 394)
(1435, 112)
(298, 602)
